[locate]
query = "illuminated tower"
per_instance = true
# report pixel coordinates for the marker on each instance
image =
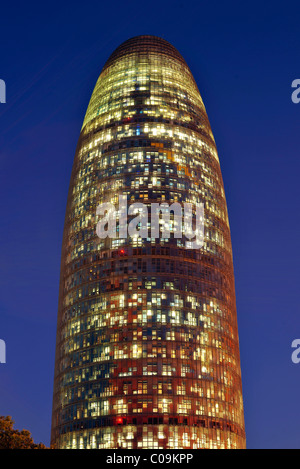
(147, 352)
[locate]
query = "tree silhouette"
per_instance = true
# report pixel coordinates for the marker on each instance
(15, 439)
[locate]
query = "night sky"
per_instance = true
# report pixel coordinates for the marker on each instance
(244, 57)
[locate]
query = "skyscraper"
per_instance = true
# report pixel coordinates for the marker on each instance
(147, 352)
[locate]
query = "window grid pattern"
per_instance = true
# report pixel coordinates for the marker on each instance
(147, 352)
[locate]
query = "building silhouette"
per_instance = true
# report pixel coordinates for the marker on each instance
(147, 352)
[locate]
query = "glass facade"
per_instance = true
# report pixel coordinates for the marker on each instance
(147, 352)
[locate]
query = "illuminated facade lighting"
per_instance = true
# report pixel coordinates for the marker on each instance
(147, 352)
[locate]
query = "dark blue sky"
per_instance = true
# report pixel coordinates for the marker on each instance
(244, 57)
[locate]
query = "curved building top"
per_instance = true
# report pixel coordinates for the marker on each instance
(144, 44)
(150, 64)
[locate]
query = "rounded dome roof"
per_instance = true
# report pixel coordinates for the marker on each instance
(147, 44)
